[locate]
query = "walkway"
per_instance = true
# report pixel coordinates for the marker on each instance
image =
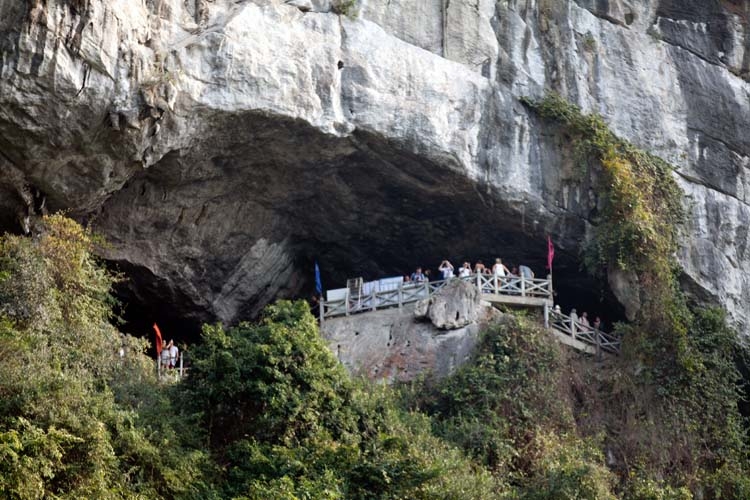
(584, 338)
(511, 290)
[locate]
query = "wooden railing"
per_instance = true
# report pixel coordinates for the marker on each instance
(601, 341)
(512, 287)
(410, 292)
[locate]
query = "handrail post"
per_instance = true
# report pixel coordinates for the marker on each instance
(479, 283)
(181, 365)
(346, 303)
(495, 289)
(523, 285)
(374, 299)
(321, 310)
(549, 285)
(158, 366)
(598, 345)
(400, 295)
(546, 315)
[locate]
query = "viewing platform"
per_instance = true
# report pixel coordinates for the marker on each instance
(394, 292)
(362, 297)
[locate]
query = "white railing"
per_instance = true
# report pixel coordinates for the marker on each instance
(164, 371)
(601, 341)
(410, 292)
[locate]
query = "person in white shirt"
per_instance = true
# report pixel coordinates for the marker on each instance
(447, 269)
(174, 353)
(499, 268)
(574, 321)
(164, 355)
(465, 270)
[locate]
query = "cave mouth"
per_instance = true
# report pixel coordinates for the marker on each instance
(146, 300)
(219, 231)
(143, 300)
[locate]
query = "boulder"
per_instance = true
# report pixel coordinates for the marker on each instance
(456, 305)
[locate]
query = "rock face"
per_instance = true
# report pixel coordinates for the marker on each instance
(391, 345)
(221, 146)
(453, 306)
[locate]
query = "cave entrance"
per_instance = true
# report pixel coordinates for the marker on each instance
(245, 226)
(145, 300)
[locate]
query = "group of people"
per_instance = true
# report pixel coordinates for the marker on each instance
(582, 323)
(169, 355)
(447, 271)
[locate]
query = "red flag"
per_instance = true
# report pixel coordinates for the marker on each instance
(550, 253)
(158, 339)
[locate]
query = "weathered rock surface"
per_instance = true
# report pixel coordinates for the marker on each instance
(391, 345)
(454, 306)
(222, 145)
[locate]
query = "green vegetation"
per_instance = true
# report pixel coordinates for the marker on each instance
(290, 423)
(511, 410)
(266, 413)
(345, 7)
(76, 420)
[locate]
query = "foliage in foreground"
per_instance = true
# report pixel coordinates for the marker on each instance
(76, 419)
(512, 411)
(289, 423)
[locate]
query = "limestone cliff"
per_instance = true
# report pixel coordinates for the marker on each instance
(222, 145)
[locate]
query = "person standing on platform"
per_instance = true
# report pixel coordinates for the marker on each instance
(465, 270)
(573, 321)
(417, 276)
(446, 268)
(174, 354)
(499, 268)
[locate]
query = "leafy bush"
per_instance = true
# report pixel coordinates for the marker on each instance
(70, 425)
(280, 409)
(510, 409)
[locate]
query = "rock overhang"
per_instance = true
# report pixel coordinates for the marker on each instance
(427, 143)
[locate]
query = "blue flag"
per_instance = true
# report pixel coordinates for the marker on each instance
(318, 283)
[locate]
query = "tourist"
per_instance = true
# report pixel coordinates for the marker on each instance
(418, 276)
(465, 270)
(584, 321)
(427, 275)
(446, 268)
(573, 321)
(479, 267)
(407, 279)
(499, 268)
(556, 309)
(526, 272)
(164, 356)
(598, 323)
(174, 354)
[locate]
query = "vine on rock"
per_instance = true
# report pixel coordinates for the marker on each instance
(681, 356)
(638, 223)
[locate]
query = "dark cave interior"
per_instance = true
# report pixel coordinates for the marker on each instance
(144, 301)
